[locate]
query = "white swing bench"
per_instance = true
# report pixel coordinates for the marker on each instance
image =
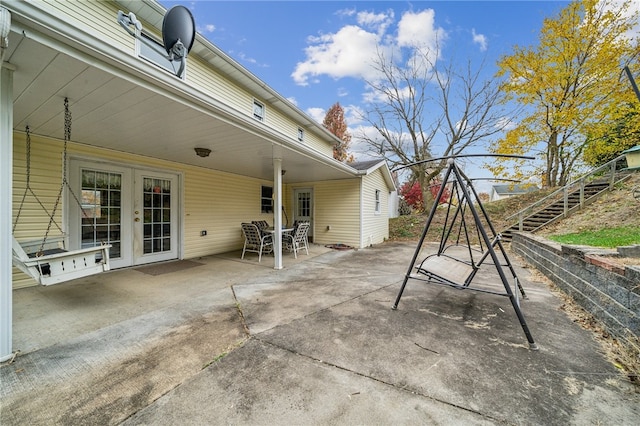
(50, 264)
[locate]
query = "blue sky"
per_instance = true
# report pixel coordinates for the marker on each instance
(315, 53)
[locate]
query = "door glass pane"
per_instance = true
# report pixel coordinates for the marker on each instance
(304, 204)
(157, 215)
(100, 200)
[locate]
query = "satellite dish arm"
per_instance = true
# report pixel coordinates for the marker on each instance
(126, 20)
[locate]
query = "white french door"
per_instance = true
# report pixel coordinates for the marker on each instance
(155, 217)
(134, 210)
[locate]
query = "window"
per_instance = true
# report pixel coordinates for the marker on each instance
(300, 134)
(377, 201)
(258, 110)
(153, 51)
(266, 199)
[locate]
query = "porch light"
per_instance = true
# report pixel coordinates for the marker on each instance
(202, 152)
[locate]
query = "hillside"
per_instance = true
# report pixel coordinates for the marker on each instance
(615, 208)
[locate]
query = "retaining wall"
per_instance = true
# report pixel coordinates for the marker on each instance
(607, 289)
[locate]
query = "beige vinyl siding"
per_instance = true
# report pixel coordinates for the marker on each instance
(98, 18)
(46, 179)
(218, 203)
(319, 144)
(213, 201)
(336, 204)
(375, 226)
(102, 16)
(200, 75)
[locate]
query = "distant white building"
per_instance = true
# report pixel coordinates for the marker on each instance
(499, 192)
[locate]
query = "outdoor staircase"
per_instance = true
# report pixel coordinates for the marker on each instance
(568, 199)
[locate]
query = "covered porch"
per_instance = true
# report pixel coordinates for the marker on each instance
(141, 122)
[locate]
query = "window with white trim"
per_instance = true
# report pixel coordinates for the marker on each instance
(258, 110)
(266, 199)
(377, 211)
(153, 51)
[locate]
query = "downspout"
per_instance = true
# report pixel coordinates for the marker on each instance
(361, 231)
(6, 207)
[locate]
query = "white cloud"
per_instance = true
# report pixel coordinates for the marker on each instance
(317, 114)
(293, 100)
(347, 53)
(342, 92)
(353, 49)
(377, 21)
(419, 30)
(479, 39)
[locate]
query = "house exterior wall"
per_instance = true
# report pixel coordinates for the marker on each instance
(336, 205)
(213, 201)
(375, 224)
(199, 74)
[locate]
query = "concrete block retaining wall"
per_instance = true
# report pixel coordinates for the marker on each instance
(605, 288)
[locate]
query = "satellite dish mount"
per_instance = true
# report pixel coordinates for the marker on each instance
(178, 35)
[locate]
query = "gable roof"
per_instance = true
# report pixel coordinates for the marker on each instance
(370, 166)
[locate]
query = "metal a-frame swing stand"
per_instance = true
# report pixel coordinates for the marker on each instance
(447, 270)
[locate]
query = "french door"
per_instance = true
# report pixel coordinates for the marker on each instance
(303, 206)
(134, 210)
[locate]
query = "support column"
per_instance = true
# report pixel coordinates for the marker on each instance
(6, 207)
(277, 213)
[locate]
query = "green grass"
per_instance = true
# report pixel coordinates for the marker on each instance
(609, 238)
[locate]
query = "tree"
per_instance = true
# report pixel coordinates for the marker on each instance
(335, 123)
(608, 141)
(570, 83)
(412, 194)
(426, 109)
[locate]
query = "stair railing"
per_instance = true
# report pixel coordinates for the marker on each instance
(566, 190)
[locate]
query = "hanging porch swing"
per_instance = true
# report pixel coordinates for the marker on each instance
(47, 261)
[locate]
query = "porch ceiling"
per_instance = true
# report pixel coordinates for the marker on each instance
(115, 112)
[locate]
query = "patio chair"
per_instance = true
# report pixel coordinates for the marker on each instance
(255, 242)
(261, 224)
(298, 239)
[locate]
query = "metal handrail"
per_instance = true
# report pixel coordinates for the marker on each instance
(611, 165)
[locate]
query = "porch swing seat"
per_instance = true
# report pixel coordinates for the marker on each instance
(444, 269)
(51, 264)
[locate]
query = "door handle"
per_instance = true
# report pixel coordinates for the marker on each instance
(137, 219)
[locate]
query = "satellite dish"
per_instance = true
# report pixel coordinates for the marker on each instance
(178, 34)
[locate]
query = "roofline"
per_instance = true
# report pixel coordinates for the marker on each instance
(249, 80)
(386, 173)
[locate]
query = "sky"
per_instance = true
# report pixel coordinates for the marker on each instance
(317, 53)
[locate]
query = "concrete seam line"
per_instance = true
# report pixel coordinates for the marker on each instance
(401, 388)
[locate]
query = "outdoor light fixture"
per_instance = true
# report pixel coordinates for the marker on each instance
(283, 172)
(202, 152)
(5, 27)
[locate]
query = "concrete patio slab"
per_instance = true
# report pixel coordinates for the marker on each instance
(315, 343)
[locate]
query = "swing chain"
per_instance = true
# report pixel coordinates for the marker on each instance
(67, 136)
(28, 130)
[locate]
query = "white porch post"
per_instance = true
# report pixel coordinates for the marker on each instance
(6, 206)
(277, 213)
